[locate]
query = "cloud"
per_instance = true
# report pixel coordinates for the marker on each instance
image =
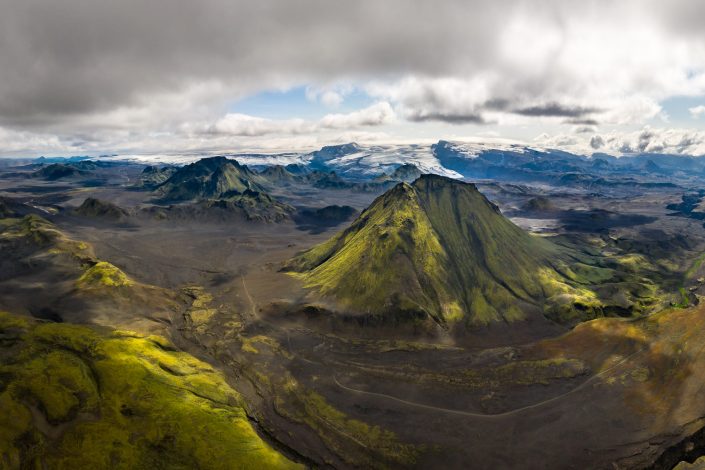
(556, 110)
(82, 70)
(697, 111)
(587, 129)
(596, 142)
(244, 125)
(447, 117)
(447, 100)
(330, 97)
(375, 115)
(646, 140)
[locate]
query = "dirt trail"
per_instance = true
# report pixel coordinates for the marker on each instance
(489, 416)
(253, 306)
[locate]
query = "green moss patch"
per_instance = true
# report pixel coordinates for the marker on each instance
(75, 398)
(103, 274)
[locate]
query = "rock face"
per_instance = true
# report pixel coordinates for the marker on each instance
(436, 248)
(209, 178)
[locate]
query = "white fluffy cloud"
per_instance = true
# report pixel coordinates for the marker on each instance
(645, 140)
(330, 98)
(244, 125)
(697, 111)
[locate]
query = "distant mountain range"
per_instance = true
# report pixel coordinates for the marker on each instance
(504, 162)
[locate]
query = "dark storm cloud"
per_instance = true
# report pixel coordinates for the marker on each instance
(555, 110)
(80, 56)
(577, 115)
(449, 118)
(582, 122)
(135, 70)
(597, 142)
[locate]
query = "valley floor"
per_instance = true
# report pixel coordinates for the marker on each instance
(336, 391)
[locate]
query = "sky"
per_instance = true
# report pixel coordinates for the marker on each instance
(91, 77)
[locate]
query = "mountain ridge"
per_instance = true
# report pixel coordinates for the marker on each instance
(430, 247)
(209, 178)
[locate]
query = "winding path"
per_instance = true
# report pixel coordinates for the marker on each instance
(483, 415)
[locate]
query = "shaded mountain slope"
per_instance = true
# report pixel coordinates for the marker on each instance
(9, 207)
(57, 171)
(153, 176)
(539, 204)
(278, 174)
(93, 207)
(252, 206)
(209, 178)
(406, 172)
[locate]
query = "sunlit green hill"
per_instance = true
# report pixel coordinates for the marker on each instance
(438, 247)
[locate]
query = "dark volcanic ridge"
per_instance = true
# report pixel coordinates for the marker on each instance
(93, 207)
(252, 206)
(209, 178)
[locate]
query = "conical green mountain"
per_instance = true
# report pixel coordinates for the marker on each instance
(438, 247)
(209, 178)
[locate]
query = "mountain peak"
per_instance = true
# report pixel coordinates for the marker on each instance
(329, 152)
(209, 178)
(436, 247)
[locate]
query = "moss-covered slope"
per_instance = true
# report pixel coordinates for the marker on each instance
(72, 397)
(436, 246)
(153, 176)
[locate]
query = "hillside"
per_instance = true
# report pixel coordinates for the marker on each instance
(209, 178)
(57, 171)
(93, 207)
(277, 174)
(251, 206)
(78, 397)
(83, 288)
(153, 176)
(539, 204)
(438, 248)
